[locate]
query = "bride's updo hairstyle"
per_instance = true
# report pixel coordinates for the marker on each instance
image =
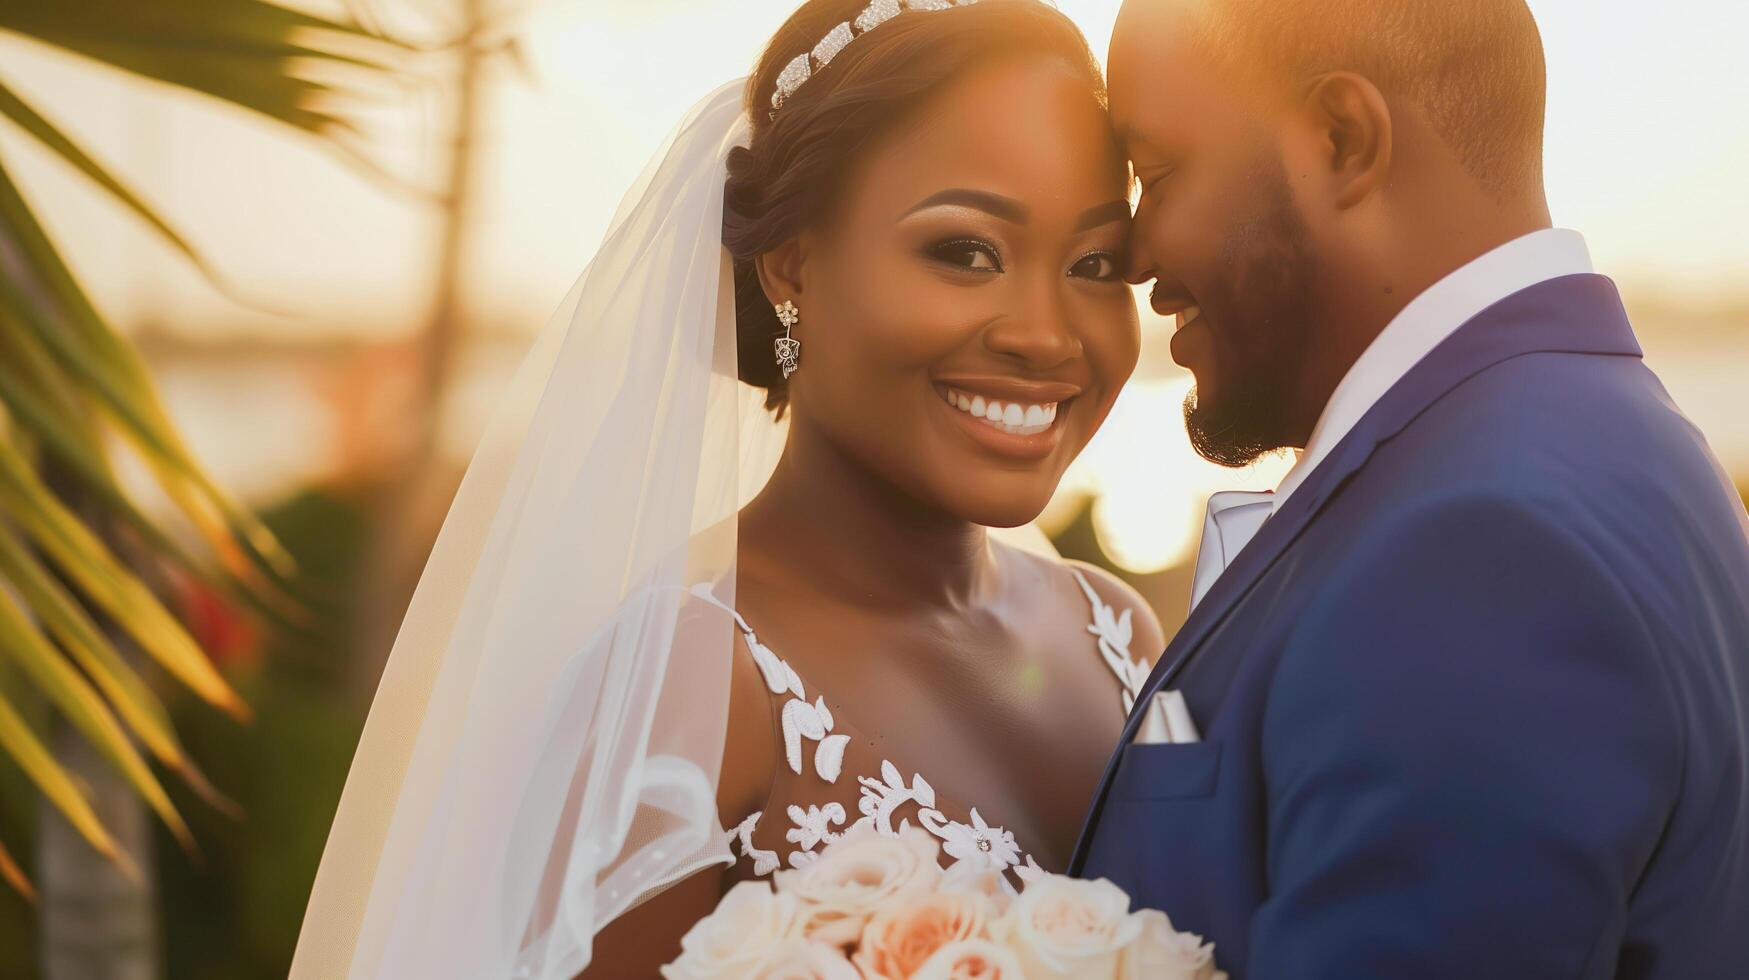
(799, 157)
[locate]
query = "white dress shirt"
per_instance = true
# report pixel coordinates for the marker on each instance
(1234, 518)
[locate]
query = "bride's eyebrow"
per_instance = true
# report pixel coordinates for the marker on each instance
(1103, 214)
(1015, 213)
(1003, 208)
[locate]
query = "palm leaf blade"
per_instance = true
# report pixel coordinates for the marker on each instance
(41, 409)
(83, 558)
(239, 51)
(22, 745)
(15, 876)
(79, 703)
(73, 628)
(95, 358)
(46, 133)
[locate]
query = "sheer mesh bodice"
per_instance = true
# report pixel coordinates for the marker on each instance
(815, 748)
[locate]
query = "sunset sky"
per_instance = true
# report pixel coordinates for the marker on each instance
(1648, 155)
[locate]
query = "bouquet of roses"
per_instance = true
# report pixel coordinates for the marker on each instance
(875, 907)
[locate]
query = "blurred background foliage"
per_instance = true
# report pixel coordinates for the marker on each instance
(91, 653)
(306, 241)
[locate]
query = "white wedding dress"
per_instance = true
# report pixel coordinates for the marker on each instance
(816, 746)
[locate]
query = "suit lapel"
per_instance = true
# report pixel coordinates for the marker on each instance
(1271, 540)
(1580, 314)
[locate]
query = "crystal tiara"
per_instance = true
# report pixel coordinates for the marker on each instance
(805, 65)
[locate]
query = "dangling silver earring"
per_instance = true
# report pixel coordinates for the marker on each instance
(789, 349)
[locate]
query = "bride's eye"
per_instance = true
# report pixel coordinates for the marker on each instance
(968, 253)
(1098, 266)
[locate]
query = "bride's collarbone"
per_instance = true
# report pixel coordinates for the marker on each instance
(1005, 708)
(848, 652)
(1025, 672)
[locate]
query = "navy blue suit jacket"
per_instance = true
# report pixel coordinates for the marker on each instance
(1475, 700)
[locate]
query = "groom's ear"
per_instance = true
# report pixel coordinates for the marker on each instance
(1354, 122)
(780, 271)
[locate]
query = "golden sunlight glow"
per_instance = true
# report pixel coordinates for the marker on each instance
(1643, 158)
(1150, 488)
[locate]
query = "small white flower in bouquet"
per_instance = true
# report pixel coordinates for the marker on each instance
(878, 907)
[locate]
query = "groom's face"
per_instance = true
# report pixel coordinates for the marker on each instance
(1217, 230)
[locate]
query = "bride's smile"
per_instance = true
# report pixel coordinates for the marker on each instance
(1008, 417)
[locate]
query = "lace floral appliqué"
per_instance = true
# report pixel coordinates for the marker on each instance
(977, 846)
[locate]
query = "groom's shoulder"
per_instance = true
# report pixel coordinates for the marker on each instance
(1577, 463)
(1613, 406)
(1571, 437)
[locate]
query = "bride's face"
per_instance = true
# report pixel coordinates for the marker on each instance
(966, 326)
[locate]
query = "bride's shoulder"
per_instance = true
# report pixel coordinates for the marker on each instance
(1147, 638)
(1107, 601)
(750, 743)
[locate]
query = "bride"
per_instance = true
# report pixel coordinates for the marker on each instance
(644, 662)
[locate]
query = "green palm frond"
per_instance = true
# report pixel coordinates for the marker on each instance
(60, 317)
(59, 614)
(71, 385)
(245, 52)
(106, 582)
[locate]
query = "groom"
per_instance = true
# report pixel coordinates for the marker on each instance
(1473, 686)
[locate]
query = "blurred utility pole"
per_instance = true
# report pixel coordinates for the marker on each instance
(437, 349)
(412, 500)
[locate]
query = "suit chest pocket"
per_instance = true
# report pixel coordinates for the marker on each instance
(1167, 772)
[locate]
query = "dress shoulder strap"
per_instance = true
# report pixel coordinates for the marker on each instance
(1113, 632)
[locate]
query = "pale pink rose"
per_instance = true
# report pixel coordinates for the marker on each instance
(804, 960)
(900, 937)
(1163, 953)
(1062, 927)
(857, 875)
(971, 959)
(738, 940)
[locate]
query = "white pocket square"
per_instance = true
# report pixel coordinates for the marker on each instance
(1167, 722)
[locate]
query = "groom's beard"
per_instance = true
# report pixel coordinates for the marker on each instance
(1226, 438)
(1267, 328)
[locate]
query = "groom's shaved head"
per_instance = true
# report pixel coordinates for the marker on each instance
(1474, 68)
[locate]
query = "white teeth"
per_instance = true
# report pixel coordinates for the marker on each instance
(1011, 417)
(1186, 315)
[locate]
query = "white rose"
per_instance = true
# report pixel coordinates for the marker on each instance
(971, 959)
(804, 960)
(749, 928)
(1062, 927)
(1163, 953)
(856, 875)
(964, 878)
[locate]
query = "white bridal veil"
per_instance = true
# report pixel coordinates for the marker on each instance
(512, 793)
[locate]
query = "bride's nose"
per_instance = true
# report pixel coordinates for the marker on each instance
(1039, 333)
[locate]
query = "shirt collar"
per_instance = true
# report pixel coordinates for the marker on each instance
(1426, 322)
